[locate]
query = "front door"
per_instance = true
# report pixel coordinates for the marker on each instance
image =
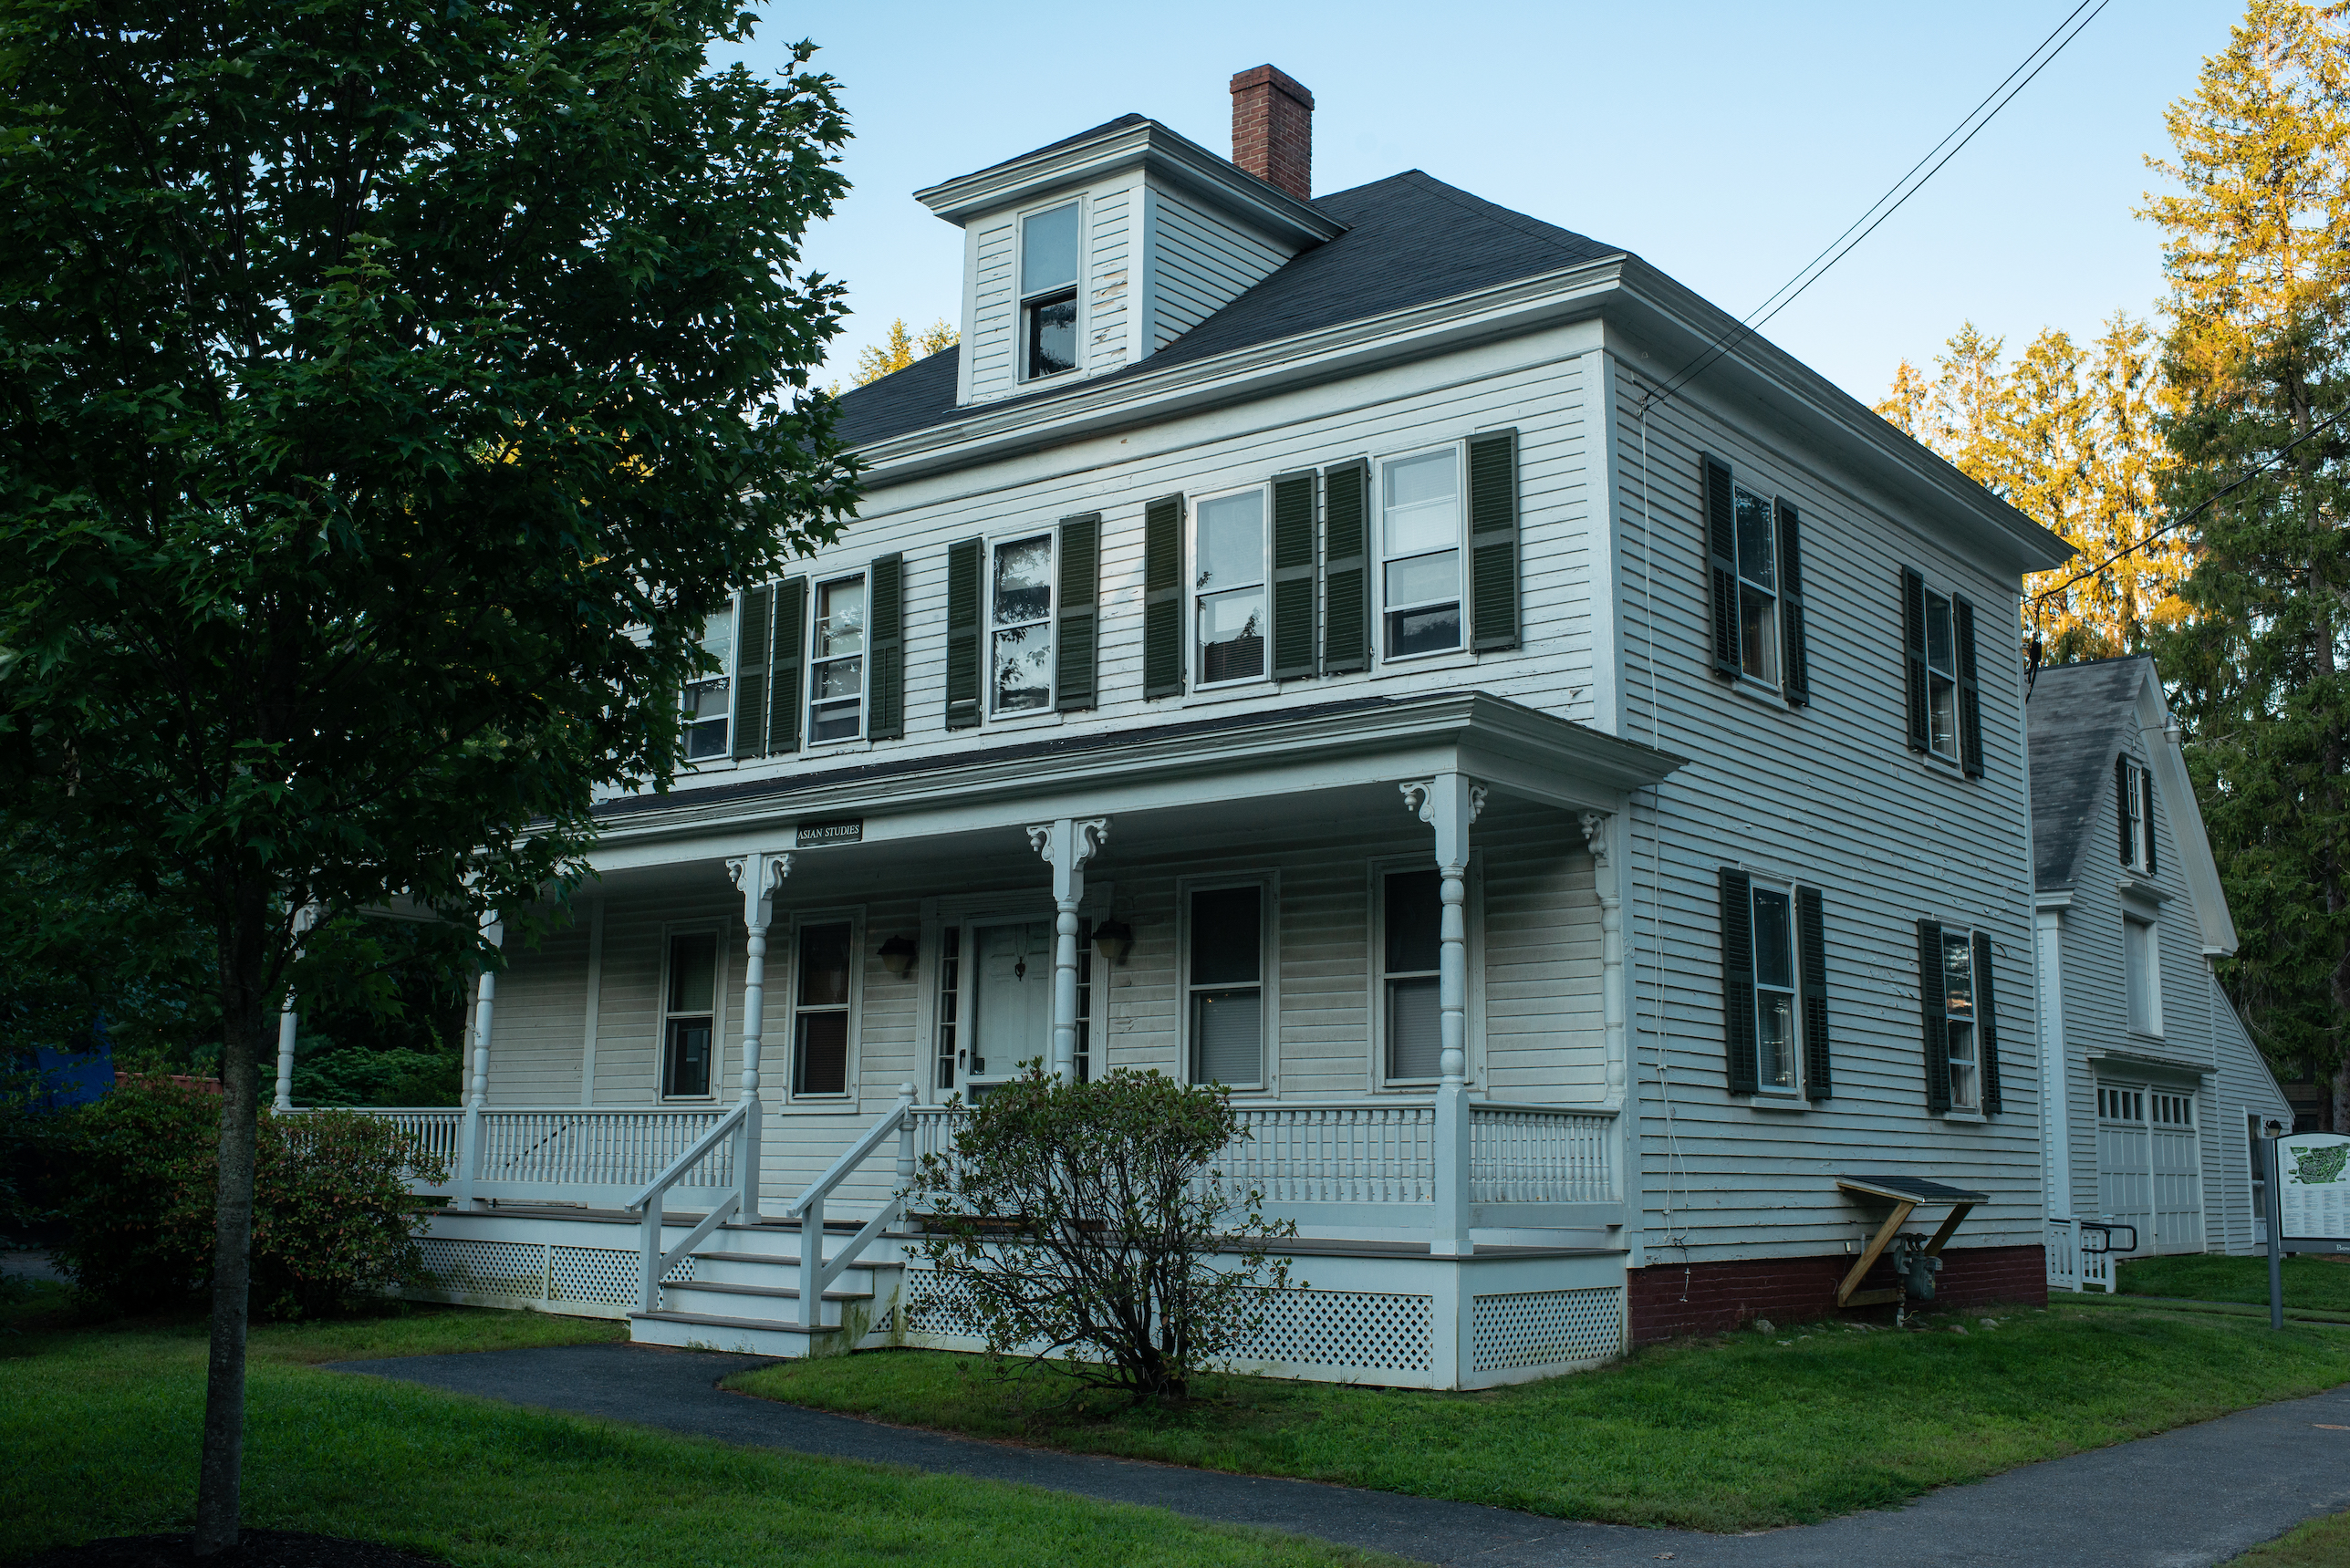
(1012, 1004)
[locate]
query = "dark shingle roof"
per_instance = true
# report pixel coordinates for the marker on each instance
(1411, 240)
(2079, 718)
(1104, 129)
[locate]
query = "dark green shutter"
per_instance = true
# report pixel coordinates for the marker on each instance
(1962, 622)
(1986, 1025)
(1795, 652)
(783, 670)
(1292, 575)
(1811, 930)
(963, 633)
(1163, 597)
(1738, 981)
(1076, 639)
(1913, 654)
(1722, 556)
(1494, 540)
(1935, 1025)
(2122, 809)
(2145, 787)
(1345, 568)
(751, 676)
(885, 699)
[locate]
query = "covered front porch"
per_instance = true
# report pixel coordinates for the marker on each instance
(1392, 929)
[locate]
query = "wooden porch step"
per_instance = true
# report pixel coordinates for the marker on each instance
(780, 1259)
(749, 1335)
(778, 1293)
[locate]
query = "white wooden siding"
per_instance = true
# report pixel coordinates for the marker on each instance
(1111, 247)
(1200, 263)
(988, 335)
(1831, 796)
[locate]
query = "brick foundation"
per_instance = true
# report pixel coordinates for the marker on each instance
(1667, 1301)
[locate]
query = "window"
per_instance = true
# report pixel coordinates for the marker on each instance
(689, 1027)
(1419, 552)
(1941, 677)
(1959, 1016)
(837, 661)
(1225, 986)
(950, 1031)
(1048, 292)
(2133, 801)
(1774, 990)
(2171, 1110)
(995, 999)
(1758, 588)
(1228, 586)
(2120, 1105)
(2142, 974)
(705, 701)
(1020, 641)
(1411, 917)
(820, 1011)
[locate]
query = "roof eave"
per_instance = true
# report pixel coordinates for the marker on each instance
(1156, 149)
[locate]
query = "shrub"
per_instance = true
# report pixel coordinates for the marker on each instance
(333, 1219)
(1080, 1219)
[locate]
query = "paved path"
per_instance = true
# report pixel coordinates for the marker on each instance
(2186, 1499)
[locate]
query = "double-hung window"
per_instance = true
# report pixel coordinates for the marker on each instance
(1943, 698)
(689, 1015)
(1412, 916)
(837, 661)
(1224, 984)
(1941, 677)
(1774, 987)
(1960, 1039)
(1048, 292)
(1419, 552)
(1955, 1003)
(1758, 587)
(705, 701)
(2142, 974)
(1776, 1071)
(1020, 626)
(1228, 578)
(820, 1004)
(2134, 809)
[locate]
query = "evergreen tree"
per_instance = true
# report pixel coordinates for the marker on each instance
(2257, 251)
(901, 349)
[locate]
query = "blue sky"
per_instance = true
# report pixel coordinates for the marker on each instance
(1725, 143)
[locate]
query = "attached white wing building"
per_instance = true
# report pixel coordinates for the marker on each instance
(1559, 761)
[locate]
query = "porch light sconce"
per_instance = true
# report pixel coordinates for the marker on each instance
(898, 956)
(1113, 939)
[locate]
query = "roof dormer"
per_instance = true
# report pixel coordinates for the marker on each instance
(1085, 257)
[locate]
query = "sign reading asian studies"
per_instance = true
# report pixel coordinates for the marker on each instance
(817, 834)
(2314, 1193)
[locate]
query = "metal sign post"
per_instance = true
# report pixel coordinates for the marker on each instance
(2276, 1225)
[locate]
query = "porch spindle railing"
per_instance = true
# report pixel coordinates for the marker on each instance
(570, 1154)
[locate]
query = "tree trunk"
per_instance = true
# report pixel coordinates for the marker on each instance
(244, 963)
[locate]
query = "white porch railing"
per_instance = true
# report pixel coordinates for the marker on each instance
(816, 1271)
(730, 1134)
(1371, 1165)
(439, 1132)
(2071, 1265)
(570, 1154)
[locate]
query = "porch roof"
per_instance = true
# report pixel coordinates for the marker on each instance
(1258, 756)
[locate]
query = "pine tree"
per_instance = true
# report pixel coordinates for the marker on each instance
(901, 349)
(2257, 252)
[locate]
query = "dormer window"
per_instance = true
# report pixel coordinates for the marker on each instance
(1048, 292)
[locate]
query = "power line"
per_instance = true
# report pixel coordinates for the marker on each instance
(1908, 185)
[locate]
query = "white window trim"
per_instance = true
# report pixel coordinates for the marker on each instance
(2150, 1027)
(1748, 681)
(1050, 712)
(718, 1015)
(1792, 1096)
(1957, 1112)
(2141, 825)
(731, 675)
(1191, 595)
(799, 919)
(1937, 588)
(1376, 557)
(1375, 954)
(1020, 377)
(1268, 974)
(816, 584)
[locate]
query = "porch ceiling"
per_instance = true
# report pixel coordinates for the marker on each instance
(1320, 767)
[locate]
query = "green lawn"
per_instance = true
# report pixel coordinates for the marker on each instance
(100, 1423)
(2319, 1285)
(1745, 1432)
(2320, 1544)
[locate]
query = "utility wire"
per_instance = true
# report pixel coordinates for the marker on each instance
(1908, 185)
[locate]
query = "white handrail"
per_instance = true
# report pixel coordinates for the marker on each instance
(654, 1262)
(815, 1272)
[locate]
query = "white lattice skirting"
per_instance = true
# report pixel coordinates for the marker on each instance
(538, 1272)
(1545, 1328)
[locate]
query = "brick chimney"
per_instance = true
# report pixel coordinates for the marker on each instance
(1273, 129)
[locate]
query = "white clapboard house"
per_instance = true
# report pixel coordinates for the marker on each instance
(1306, 644)
(2155, 1093)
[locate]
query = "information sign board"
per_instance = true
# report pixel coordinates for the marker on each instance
(2314, 1193)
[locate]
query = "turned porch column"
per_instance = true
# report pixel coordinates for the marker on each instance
(757, 875)
(1066, 843)
(289, 1017)
(1448, 803)
(477, 1092)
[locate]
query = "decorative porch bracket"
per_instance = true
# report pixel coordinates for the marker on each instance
(477, 1092)
(1066, 844)
(757, 874)
(289, 1017)
(1448, 803)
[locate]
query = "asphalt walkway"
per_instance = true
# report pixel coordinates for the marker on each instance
(2186, 1499)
